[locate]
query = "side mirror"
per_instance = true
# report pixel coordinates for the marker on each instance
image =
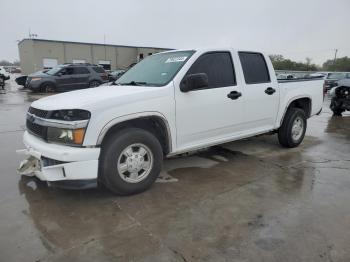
(59, 74)
(194, 81)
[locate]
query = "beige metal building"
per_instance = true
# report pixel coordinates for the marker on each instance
(38, 54)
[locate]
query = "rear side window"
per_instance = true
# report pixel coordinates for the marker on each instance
(219, 68)
(254, 68)
(98, 69)
(80, 70)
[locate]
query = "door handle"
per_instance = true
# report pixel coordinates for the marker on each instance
(270, 90)
(234, 95)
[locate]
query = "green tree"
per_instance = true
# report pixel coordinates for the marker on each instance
(340, 64)
(281, 63)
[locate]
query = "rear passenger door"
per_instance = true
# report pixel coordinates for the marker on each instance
(261, 94)
(208, 115)
(81, 77)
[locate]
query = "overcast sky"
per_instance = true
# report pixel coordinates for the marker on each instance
(293, 28)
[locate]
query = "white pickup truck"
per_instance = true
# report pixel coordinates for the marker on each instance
(168, 104)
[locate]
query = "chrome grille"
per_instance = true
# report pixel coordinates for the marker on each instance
(38, 112)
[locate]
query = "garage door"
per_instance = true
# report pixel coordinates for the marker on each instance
(78, 61)
(49, 63)
(105, 64)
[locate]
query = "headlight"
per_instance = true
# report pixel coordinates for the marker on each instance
(66, 136)
(70, 115)
(36, 79)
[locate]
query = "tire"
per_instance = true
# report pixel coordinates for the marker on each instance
(293, 128)
(47, 88)
(335, 107)
(119, 168)
(94, 83)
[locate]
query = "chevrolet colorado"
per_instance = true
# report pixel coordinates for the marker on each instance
(168, 104)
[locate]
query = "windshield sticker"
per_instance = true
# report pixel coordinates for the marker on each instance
(176, 59)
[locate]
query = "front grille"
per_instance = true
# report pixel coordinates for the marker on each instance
(38, 112)
(36, 129)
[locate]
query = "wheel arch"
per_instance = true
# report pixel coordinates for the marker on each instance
(302, 102)
(48, 82)
(152, 122)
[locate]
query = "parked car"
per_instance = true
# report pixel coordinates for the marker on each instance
(114, 75)
(67, 77)
(2, 82)
(4, 74)
(169, 103)
(332, 80)
(340, 97)
(285, 76)
(15, 70)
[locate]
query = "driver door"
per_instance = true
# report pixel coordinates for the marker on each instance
(213, 114)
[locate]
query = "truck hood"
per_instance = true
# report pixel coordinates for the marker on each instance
(99, 97)
(39, 74)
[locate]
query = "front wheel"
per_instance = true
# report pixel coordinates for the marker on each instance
(293, 128)
(131, 161)
(47, 88)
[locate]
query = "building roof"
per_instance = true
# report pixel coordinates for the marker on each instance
(85, 43)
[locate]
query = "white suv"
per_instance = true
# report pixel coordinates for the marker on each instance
(4, 74)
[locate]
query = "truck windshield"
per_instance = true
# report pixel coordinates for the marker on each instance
(155, 70)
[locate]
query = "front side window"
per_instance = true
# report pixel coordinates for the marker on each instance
(217, 66)
(254, 68)
(155, 70)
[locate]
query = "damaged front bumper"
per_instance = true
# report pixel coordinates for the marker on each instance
(59, 165)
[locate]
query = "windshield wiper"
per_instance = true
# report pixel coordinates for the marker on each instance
(133, 83)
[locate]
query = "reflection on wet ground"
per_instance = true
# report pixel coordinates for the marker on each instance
(250, 200)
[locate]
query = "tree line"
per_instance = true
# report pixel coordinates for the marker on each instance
(340, 64)
(8, 63)
(280, 63)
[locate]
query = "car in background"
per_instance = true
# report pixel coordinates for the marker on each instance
(332, 80)
(114, 75)
(67, 77)
(285, 76)
(4, 74)
(340, 97)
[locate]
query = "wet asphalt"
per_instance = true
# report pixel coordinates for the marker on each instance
(249, 200)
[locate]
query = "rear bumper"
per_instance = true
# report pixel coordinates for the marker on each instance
(61, 163)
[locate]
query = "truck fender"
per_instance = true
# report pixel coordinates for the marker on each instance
(291, 100)
(133, 116)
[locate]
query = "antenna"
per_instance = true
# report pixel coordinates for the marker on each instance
(31, 36)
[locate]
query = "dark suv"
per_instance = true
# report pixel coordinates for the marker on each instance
(333, 78)
(67, 77)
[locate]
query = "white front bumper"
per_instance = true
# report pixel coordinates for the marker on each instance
(80, 163)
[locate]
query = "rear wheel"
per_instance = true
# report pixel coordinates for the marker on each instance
(131, 161)
(94, 83)
(292, 131)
